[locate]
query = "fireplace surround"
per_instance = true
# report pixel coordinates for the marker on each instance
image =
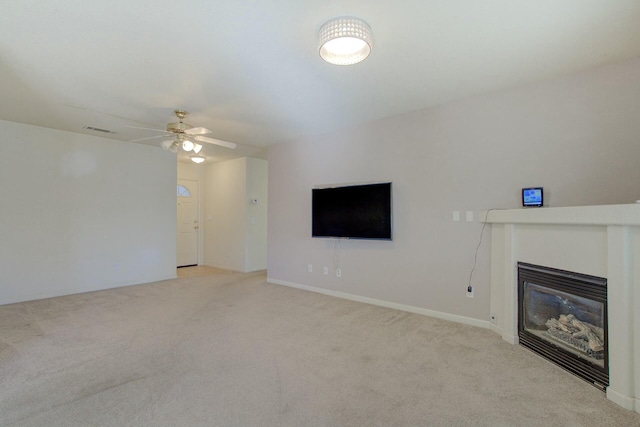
(600, 241)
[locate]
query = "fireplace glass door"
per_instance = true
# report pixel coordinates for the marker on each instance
(563, 317)
(574, 323)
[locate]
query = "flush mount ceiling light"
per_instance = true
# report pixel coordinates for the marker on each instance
(345, 41)
(197, 159)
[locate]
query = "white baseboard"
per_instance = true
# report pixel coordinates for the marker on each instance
(387, 304)
(221, 267)
(79, 290)
(507, 337)
(626, 402)
(235, 270)
(495, 328)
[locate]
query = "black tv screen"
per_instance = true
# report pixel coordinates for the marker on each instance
(353, 212)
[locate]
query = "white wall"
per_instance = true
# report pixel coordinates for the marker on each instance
(192, 171)
(576, 136)
(82, 213)
(231, 241)
(256, 215)
(224, 214)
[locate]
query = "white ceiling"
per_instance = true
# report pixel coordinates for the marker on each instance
(250, 71)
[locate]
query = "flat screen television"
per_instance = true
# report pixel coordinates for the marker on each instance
(532, 197)
(352, 212)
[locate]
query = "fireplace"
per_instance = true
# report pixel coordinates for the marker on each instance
(562, 316)
(600, 241)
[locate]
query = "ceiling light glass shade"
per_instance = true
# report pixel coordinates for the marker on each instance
(174, 147)
(345, 41)
(187, 145)
(197, 148)
(197, 159)
(166, 144)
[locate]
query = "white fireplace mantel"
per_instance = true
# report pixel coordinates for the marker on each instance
(600, 241)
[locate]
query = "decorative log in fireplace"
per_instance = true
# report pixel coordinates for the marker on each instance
(563, 317)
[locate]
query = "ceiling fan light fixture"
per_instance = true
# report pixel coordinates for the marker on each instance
(197, 159)
(345, 41)
(187, 145)
(184, 136)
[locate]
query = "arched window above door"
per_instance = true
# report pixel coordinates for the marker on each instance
(183, 191)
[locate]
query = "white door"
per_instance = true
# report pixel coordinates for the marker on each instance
(187, 237)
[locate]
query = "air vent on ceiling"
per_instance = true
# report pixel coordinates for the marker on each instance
(98, 129)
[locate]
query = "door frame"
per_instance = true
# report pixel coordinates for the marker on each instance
(200, 232)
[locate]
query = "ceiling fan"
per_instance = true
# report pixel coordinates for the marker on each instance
(185, 136)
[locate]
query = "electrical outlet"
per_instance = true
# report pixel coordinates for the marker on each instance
(338, 273)
(310, 268)
(494, 319)
(326, 270)
(470, 292)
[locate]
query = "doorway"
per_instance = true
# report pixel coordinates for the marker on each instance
(188, 224)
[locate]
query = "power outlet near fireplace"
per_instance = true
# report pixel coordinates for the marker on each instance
(469, 291)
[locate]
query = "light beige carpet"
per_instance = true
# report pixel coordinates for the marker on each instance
(228, 349)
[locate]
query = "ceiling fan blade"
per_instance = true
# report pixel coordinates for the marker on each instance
(197, 131)
(148, 137)
(215, 141)
(155, 130)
